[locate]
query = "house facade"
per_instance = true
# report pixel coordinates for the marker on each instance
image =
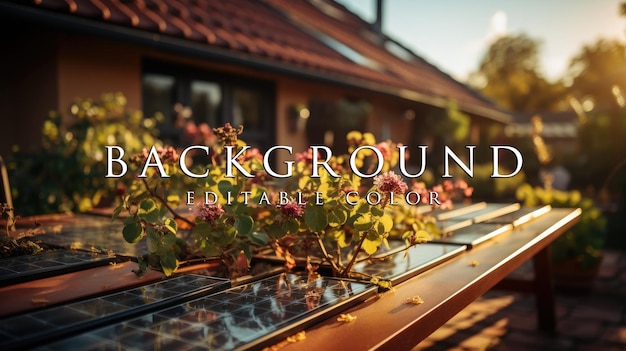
(296, 73)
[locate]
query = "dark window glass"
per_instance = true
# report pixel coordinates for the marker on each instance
(247, 109)
(158, 95)
(206, 102)
(331, 120)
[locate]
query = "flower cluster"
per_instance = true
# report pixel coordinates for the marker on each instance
(227, 135)
(167, 155)
(210, 213)
(292, 209)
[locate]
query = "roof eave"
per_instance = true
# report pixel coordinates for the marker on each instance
(182, 46)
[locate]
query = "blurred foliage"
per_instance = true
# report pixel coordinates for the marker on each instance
(68, 173)
(598, 74)
(487, 188)
(509, 74)
(495, 189)
(597, 156)
(454, 125)
(585, 239)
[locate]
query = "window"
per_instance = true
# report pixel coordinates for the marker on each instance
(331, 120)
(182, 94)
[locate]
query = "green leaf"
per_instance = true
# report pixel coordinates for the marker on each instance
(168, 241)
(132, 232)
(173, 199)
(387, 222)
(225, 236)
(315, 217)
(259, 238)
(168, 263)
(226, 187)
(154, 240)
(337, 217)
(422, 236)
(377, 211)
(201, 229)
(370, 246)
(244, 225)
(117, 211)
(148, 211)
(290, 226)
(363, 222)
(362, 207)
(171, 225)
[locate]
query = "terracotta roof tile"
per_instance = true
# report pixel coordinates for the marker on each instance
(289, 31)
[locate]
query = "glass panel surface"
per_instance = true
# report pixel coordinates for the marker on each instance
(475, 234)
(250, 315)
(419, 258)
(35, 327)
(31, 266)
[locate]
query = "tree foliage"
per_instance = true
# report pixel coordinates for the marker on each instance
(598, 72)
(509, 74)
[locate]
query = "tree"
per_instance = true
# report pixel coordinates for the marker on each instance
(598, 76)
(509, 74)
(598, 73)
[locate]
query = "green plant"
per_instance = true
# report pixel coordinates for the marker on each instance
(66, 174)
(308, 215)
(584, 241)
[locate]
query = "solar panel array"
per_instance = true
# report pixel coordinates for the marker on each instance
(40, 326)
(21, 268)
(240, 317)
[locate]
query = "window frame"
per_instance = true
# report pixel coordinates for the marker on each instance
(228, 82)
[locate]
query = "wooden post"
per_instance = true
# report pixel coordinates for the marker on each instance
(544, 291)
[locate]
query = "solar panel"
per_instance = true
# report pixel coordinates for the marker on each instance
(419, 258)
(92, 232)
(28, 267)
(475, 234)
(252, 315)
(521, 216)
(489, 212)
(37, 327)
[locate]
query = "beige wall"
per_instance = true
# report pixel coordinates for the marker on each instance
(91, 67)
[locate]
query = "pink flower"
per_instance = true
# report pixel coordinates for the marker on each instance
(291, 209)
(385, 149)
(306, 157)
(253, 153)
(210, 213)
(390, 182)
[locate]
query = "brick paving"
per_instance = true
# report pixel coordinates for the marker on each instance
(503, 320)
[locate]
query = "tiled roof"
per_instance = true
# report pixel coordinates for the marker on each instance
(319, 37)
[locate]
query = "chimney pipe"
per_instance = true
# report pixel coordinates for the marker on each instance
(378, 23)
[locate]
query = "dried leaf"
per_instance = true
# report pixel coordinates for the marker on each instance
(346, 318)
(474, 263)
(415, 300)
(114, 265)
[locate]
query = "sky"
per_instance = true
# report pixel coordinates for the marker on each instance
(454, 34)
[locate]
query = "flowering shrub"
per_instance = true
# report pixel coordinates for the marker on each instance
(66, 174)
(236, 204)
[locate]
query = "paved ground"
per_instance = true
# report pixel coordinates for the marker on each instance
(503, 320)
